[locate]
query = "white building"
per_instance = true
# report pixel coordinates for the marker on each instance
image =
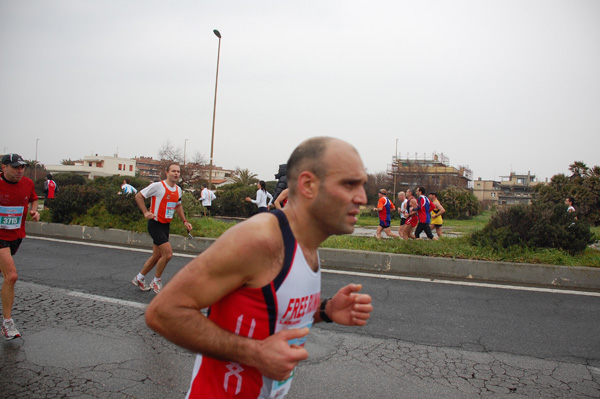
(94, 166)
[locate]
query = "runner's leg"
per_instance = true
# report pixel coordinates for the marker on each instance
(9, 271)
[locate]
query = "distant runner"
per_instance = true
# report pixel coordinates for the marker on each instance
(385, 208)
(424, 216)
(165, 202)
(437, 210)
(50, 189)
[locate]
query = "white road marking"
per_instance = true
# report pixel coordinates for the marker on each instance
(78, 294)
(99, 298)
(364, 274)
(466, 283)
(95, 244)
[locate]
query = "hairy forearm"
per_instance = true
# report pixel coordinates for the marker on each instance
(179, 210)
(139, 200)
(191, 330)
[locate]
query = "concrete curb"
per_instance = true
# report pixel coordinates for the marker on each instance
(462, 269)
(361, 261)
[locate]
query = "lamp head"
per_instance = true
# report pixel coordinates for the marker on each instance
(217, 33)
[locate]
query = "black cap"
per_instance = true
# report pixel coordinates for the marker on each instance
(13, 160)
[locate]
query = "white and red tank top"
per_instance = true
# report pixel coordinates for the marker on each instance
(164, 200)
(289, 301)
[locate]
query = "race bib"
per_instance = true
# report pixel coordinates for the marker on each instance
(170, 210)
(11, 217)
(279, 389)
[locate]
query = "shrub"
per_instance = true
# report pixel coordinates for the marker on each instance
(191, 206)
(68, 179)
(540, 225)
(102, 182)
(583, 185)
(459, 203)
(73, 200)
(231, 201)
(122, 205)
(39, 186)
(98, 216)
(115, 182)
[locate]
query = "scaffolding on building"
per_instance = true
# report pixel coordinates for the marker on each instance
(434, 172)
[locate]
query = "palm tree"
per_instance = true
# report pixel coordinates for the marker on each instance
(245, 177)
(578, 169)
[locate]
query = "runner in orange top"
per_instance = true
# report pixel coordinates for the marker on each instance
(165, 202)
(385, 208)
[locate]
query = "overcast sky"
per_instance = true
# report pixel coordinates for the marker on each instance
(497, 85)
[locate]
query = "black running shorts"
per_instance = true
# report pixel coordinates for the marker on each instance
(13, 245)
(158, 231)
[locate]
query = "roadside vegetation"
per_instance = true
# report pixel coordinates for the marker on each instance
(539, 233)
(457, 244)
(460, 248)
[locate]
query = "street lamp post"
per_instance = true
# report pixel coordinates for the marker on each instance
(212, 140)
(184, 148)
(35, 165)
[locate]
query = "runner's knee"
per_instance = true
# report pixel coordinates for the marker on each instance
(166, 252)
(10, 276)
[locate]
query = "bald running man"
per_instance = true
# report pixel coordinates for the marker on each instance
(262, 282)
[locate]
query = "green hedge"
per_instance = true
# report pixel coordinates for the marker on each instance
(231, 201)
(73, 200)
(541, 225)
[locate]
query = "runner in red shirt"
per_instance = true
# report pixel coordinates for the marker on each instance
(406, 230)
(16, 195)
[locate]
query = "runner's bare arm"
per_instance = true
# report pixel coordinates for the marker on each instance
(280, 198)
(179, 210)
(440, 209)
(140, 201)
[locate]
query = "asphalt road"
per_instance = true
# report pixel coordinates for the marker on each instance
(84, 336)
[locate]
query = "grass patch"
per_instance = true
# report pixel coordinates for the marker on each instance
(468, 226)
(596, 231)
(459, 248)
(206, 227)
(368, 220)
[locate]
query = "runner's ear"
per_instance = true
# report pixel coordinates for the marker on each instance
(308, 184)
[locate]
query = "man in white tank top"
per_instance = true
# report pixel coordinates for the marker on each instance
(261, 280)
